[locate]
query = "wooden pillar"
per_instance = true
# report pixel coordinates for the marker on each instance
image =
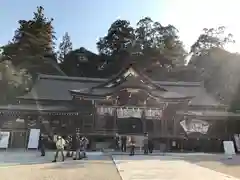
(115, 120)
(94, 115)
(143, 119)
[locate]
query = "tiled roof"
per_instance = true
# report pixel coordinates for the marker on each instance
(50, 87)
(199, 94)
(35, 107)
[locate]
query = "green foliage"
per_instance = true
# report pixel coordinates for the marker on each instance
(118, 39)
(149, 43)
(32, 44)
(64, 47)
(211, 38)
(14, 82)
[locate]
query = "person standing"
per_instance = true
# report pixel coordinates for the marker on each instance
(69, 146)
(84, 144)
(145, 143)
(132, 146)
(42, 145)
(60, 144)
(117, 139)
(150, 145)
(123, 143)
(78, 148)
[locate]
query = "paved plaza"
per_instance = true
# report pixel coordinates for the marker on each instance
(167, 168)
(29, 165)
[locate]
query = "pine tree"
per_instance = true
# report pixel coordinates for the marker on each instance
(32, 46)
(64, 47)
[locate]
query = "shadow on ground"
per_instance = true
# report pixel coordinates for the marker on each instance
(33, 158)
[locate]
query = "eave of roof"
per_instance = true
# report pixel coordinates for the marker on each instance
(217, 114)
(36, 107)
(52, 87)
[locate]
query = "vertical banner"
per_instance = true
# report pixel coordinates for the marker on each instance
(229, 149)
(4, 139)
(33, 138)
(237, 141)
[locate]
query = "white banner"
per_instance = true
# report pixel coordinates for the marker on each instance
(153, 113)
(105, 110)
(4, 139)
(131, 112)
(195, 125)
(229, 148)
(33, 138)
(237, 141)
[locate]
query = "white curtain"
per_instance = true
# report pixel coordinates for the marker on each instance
(153, 113)
(105, 110)
(129, 112)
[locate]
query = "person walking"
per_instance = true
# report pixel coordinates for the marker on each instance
(60, 144)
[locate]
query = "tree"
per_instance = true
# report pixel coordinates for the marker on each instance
(114, 47)
(13, 82)
(64, 47)
(211, 38)
(149, 44)
(32, 46)
(158, 41)
(120, 35)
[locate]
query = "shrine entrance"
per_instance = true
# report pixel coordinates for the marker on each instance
(130, 125)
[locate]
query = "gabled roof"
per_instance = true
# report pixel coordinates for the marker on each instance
(130, 73)
(52, 87)
(130, 77)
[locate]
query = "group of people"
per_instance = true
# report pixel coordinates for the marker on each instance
(121, 142)
(77, 145)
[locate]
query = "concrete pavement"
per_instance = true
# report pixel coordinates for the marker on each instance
(26, 165)
(21, 157)
(29, 165)
(164, 168)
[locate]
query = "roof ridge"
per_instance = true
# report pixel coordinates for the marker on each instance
(70, 78)
(105, 80)
(129, 66)
(179, 83)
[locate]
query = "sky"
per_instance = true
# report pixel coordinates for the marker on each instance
(87, 20)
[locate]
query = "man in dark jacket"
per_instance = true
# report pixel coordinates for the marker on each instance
(42, 142)
(78, 148)
(145, 143)
(123, 143)
(150, 145)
